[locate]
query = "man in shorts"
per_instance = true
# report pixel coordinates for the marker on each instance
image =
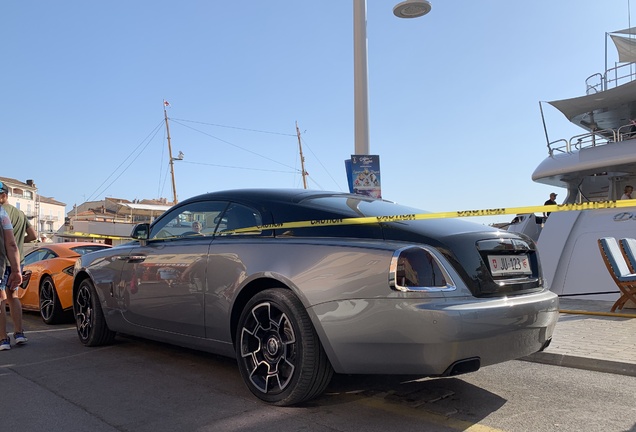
(19, 226)
(8, 252)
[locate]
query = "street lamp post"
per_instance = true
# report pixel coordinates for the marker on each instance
(360, 77)
(405, 9)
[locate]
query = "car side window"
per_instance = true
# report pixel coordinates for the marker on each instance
(192, 220)
(35, 256)
(39, 255)
(49, 255)
(239, 216)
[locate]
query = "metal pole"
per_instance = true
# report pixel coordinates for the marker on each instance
(360, 77)
(405, 9)
(545, 129)
(604, 77)
(302, 158)
(174, 187)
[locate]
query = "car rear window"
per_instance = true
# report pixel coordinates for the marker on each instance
(360, 206)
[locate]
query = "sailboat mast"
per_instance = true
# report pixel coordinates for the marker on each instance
(302, 158)
(174, 187)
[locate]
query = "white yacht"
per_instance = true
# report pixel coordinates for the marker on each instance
(595, 165)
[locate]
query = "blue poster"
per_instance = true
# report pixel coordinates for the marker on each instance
(365, 175)
(348, 171)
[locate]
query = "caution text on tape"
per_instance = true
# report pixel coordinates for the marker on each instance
(591, 205)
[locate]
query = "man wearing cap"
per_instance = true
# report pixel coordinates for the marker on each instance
(22, 231)
(551, 201)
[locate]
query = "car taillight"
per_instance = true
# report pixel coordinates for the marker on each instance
(416, 268)
(69, 270)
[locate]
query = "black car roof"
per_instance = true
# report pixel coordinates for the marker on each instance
(271, 195)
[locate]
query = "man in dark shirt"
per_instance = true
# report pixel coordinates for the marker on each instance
(551, 201)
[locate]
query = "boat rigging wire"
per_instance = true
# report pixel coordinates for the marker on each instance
(234, 127)
(295, 171)
(321, 164)
(234, 145)
(140, 148)
(149, 139)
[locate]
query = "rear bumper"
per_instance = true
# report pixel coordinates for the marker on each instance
(426, 337)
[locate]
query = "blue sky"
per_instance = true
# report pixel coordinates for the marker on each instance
(453, 96)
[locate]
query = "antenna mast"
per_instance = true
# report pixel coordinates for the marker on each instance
(302, 158)
(174, 187)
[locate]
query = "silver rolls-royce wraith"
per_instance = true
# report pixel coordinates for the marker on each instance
(229, 273)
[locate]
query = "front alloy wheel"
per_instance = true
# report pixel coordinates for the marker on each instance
(89, 317)
(280, 356)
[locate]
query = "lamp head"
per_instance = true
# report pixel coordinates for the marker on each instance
(412, 9)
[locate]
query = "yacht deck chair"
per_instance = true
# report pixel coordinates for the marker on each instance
(628, 247)
(619, 270)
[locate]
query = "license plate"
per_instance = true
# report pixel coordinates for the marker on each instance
(503, 265)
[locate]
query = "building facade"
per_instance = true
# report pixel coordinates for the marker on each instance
(111, 220)
(107, 221)
(45, 214)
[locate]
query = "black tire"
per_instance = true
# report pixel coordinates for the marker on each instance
(50, 307)
(89, 317)
(279, 354)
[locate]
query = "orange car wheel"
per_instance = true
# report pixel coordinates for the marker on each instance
(50, 308)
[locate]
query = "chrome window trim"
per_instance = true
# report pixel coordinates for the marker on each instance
(517, 245)
(450, 284)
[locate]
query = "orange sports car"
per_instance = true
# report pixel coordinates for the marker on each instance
(48, 278)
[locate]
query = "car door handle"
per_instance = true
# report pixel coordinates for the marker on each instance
(132, 258)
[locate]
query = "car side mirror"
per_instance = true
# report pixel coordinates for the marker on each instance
(141, 231)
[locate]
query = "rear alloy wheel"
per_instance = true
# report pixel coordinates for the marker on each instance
(89, 317)
(279, 354)
(50, 307)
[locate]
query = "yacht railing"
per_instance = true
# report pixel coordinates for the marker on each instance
(588, 139)
(626, 132)
(612, 78)
(558, 146)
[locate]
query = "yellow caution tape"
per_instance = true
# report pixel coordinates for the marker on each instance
(591, 205)
(89, 235)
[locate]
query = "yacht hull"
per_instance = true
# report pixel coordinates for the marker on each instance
(570, 257)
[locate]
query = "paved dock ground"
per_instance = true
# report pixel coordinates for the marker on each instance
(589, 336)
